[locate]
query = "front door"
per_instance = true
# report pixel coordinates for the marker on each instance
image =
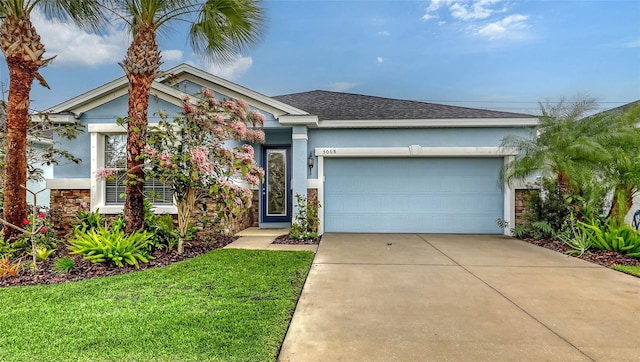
(276, 203)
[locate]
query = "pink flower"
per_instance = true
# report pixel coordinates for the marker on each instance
(42, 215)
(186, 98)
(201, 157)
(248, 149)
(165, 160)
(25, 222)
(242, 104)
(230, 104)
(189, 108)
(258, 117)
(150, 151)
(240, 128)
(253, 179)
(207, 92)
(43, 229)
(106, 173)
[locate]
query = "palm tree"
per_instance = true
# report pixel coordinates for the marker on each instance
(621, 174)
(562, 146)
(218, 28)
(23, 51)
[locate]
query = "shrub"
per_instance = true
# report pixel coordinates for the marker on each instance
(101, 244)
(43, 253)
(577, 239)
(87, 221)
(611, 235)
(8, 267)
(64, 265)
(305, 225)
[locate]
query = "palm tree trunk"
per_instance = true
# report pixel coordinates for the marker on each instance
(21, 75)
(21, 46)
(140, 66)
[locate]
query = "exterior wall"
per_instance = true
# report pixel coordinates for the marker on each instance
(521, 205)
(106, 113)
(425, 137)
(66, 204)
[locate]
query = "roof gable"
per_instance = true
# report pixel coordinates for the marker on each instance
(164, 87)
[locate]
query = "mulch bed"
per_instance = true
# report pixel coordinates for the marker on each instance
(84, 269)
(285, 239)
(602, 257)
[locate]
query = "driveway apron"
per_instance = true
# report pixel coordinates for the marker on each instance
(426, 297)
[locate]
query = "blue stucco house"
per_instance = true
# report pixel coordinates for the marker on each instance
(376, 164)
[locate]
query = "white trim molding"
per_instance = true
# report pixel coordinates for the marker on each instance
(414, 151)
(428, 123)
(68, 183)
(506, 153)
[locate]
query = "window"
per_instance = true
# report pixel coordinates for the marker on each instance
(115, 156)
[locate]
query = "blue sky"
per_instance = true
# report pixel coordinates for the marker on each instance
(504, 55)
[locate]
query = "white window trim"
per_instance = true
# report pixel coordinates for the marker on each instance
(507, 154)
(97, 133)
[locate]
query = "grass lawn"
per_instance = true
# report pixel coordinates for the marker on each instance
(227, 305)
(633, 270)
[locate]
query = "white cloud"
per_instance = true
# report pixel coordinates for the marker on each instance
(341, 86)
(380, 60)
(173, 55)
(462, 9)
(233, 69)
(483, 17)
(75, 47)
(504, 27)
(384, 33)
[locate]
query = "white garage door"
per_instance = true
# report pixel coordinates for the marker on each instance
(412, 195)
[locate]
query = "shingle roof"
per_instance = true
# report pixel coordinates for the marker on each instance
(347, 106)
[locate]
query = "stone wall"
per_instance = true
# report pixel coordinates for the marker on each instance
(66, 204)
(521, 204)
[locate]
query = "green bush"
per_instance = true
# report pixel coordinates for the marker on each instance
(165, 234)
(64, 265)
(611, 235)
(101, 244)
(305, 225)
(87, 221)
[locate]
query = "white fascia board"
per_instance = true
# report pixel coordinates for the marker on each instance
(298, 120)
(111, 127)
(89, 96)
(106, 128)
(61, 118)
(68, 183)
(240, 90)
(414, 151)
(427, 123)
(106, 93)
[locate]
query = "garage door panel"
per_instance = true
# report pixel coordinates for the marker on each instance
(412, 195)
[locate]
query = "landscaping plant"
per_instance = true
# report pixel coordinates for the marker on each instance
(305, 225)
(104, 244)
(192, 157)
(612, 235)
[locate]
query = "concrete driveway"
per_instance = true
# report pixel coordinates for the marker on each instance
(410, 297)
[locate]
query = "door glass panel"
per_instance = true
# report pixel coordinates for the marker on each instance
(277, 183)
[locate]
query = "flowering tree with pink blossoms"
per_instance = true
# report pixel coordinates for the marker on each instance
(192, 156)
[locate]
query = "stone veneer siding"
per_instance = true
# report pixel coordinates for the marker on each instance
(521, 204)
(66, 204)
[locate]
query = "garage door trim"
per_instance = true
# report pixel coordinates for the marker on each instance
(507, 154)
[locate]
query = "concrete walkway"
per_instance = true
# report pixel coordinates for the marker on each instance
(255, 238)
(408, 297)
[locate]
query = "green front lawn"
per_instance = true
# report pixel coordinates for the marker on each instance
(227, 305)
(633, 270)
